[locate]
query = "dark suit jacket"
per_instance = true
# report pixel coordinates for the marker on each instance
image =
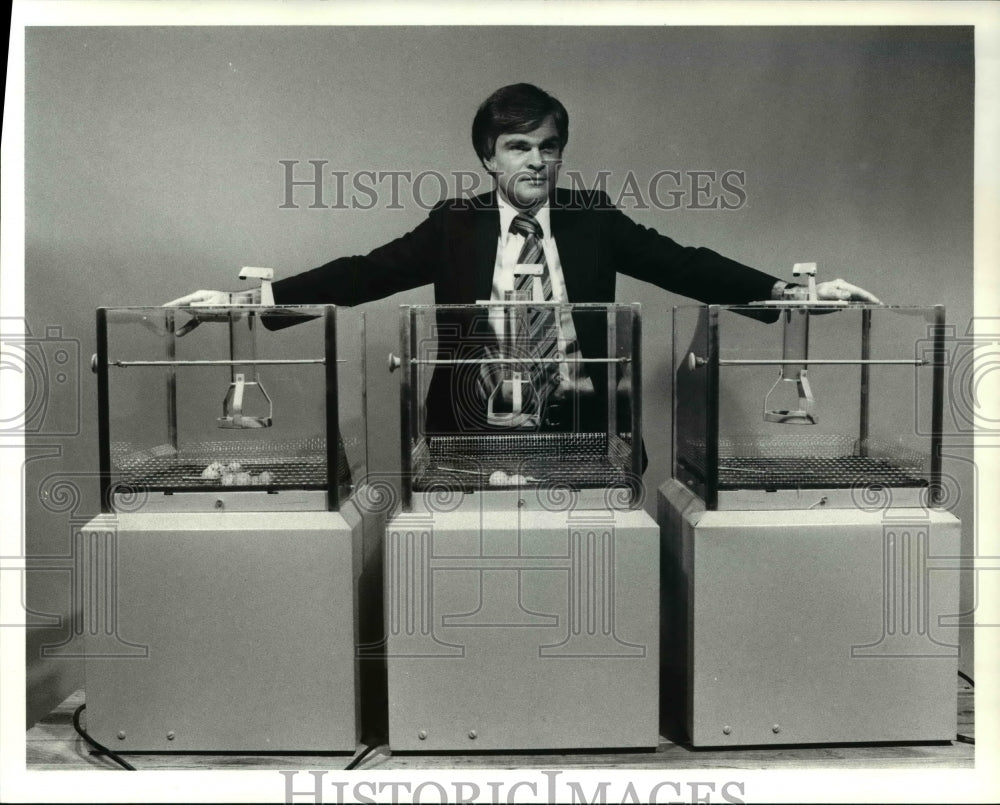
(455, 249)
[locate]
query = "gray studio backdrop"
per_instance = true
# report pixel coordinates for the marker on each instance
(157, 158)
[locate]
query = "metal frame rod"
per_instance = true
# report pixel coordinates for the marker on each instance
(824, 361)
(636, 401)
(611, 332)
(103, 411)
(526, 359)
(364, 392)
(712, 411)
(225, 362)
(937, 402)
(332, 409)
(864, 421)
(675, 355)
(408, 406)
(171, 384)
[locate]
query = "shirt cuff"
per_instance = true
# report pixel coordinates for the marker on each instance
(788, 291)
(251, 297)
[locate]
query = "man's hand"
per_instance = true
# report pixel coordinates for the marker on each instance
(218, 298)
(845, 291)
(211, 298)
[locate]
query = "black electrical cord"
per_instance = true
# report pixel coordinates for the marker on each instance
(101, 750)
(364, 753)
(965, 738)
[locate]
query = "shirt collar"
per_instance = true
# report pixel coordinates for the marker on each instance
(508, 213)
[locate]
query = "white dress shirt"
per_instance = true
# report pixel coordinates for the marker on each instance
(509, 247)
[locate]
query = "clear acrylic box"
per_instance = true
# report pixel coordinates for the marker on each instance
(473, 417)
(830, 405)
(196, 400)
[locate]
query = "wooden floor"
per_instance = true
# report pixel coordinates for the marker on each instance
(53, 744)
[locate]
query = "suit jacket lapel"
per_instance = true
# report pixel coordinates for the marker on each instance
(473, 245)
(576, 244)
(484, 254)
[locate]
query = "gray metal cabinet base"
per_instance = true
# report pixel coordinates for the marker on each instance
(230, 631)
(813, 626)
(521, 630)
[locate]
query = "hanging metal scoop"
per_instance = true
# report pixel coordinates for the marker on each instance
(247, 404)
(242, 391)
(795, 354)
(795, 347)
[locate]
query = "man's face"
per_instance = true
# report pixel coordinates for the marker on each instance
(526, 166)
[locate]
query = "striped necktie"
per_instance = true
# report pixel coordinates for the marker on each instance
(540, 331)
(531, 254)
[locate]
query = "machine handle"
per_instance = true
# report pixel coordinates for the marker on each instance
(265, 275)
(394, 362)
(809, 270)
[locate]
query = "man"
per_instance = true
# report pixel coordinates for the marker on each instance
(470, 249)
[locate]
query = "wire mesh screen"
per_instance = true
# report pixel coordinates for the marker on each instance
(206, 466)
(812, 462)
(578, 460)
